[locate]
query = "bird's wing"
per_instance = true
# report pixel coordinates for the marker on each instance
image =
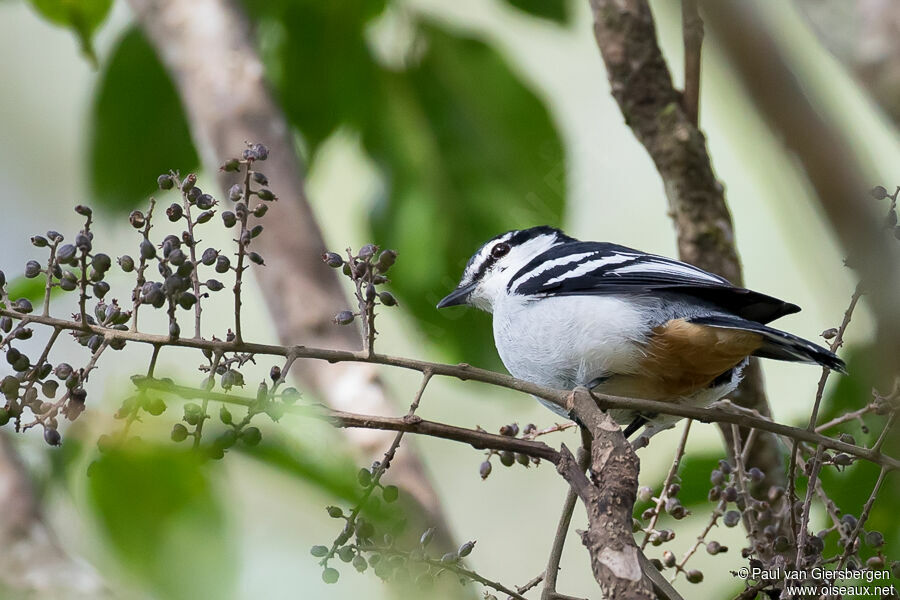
(581, 268)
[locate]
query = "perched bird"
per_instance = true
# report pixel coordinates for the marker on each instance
(622, 322)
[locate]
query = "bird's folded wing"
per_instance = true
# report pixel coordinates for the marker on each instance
(599, 268)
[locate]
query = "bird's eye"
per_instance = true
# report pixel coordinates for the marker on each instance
(500, 250)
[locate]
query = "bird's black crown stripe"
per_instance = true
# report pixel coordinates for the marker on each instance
(517, 239)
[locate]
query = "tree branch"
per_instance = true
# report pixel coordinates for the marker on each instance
(835, 171)
(692, 28)
(464, 372)
(208, 48)
(608, 496)
(660, 119)
(551, 573)
(34, 564)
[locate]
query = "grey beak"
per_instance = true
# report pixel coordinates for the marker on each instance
(457, 297)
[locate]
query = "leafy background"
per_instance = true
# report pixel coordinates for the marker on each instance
(430, 127)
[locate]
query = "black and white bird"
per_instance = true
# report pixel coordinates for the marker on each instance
(622, 322)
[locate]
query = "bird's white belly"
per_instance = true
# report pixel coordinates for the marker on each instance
(566, 341)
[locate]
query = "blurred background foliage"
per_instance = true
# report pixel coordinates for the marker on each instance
(458, 158)
(428, 127)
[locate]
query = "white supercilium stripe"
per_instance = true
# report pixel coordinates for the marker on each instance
(668, 268)
(544, 267)
(592, 265)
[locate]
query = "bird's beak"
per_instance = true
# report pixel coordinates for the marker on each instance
(458, 296)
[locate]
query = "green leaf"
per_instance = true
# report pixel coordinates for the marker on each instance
(469, 152)
(335, 477)
(558, 11)
(158, 510)
(466, 148)
(81, 16)
(317, 58)
(32, 289)
(693, 475)
(139, 127)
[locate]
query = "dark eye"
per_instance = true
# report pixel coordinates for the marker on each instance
(500, 250)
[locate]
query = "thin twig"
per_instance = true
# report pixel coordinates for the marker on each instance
(851, 542)
(412, 424)
(464, 372)
(845, 418)
(740, 478)
(804, 519)
(531, 584)
(204, 407)
(835, 344)
(49, 283)
(380, 469)
(453, 568)
(663, 494)
(141, 268)
(192, 247)
(792, 489)
(551, 573)
(884, 432)
(713, 519)
(547, 430)
(243, 236)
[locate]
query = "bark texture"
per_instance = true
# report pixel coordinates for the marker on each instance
(641, 84)
(34, 565)
(208, 48)
(608, 495)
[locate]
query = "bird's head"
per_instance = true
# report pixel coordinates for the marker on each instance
(496, 262)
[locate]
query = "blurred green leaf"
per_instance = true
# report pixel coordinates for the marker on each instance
(469, 152)
(850, 488)
(694, 479)
(693, 475)
(81, 16)
(157, 508)
(335, 477)
(317, 58)
(467, 149)
(139, 127)
(32, 289)
(553, 10)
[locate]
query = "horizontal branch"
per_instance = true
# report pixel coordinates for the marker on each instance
(462, 371)
(465, 372)
(410, 423)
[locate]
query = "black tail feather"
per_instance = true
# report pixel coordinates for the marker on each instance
(778, 344)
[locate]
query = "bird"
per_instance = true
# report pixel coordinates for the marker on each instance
(622, 322)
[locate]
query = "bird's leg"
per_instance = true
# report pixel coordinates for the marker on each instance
(634, 426)
(649, 431)
(565, 520)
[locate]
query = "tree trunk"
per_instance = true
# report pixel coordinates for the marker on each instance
(208, 48)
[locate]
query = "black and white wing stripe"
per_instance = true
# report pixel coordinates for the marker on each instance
(579, 268)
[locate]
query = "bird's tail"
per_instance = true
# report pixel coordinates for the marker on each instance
(778, 344)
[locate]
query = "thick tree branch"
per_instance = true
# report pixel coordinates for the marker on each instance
(608, 495)
(208, 48)
(34, 564)
(655, 111)
(865, 36)
(692, 28)
(834, 170)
